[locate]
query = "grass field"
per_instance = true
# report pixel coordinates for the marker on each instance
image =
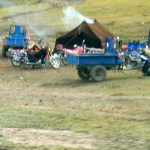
(48, 109)
(127, 19)
(114, 113)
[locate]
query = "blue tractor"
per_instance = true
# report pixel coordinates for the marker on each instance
(17, 39)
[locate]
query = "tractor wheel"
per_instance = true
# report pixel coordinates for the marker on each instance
(84, 73)
(4, 51)
(98, 73)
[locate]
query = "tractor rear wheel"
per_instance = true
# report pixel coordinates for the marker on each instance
(98, 73)
(4, 51)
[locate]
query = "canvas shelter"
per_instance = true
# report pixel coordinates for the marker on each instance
(94, 35)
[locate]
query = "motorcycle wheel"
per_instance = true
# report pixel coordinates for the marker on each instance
(129, 63)
(63, 58)
(15, 63)
(55, 61)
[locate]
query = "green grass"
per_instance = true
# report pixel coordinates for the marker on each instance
(121, 133)
(128, 19)
(22, 9)
(124, 17)
(115, 111)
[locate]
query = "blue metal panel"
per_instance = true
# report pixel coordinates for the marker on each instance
(17, 32)
(93, 59)
(135, 46)
(15, 42)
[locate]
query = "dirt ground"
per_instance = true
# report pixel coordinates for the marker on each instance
(50, 89)
(9, 97)
(38, 137)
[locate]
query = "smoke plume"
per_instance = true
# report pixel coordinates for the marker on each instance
(30, 19)
(6, 3)
(73, 18)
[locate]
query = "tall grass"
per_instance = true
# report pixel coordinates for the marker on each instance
(127, 19)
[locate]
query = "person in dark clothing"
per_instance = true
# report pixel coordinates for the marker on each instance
(34, 54)
(41, 55)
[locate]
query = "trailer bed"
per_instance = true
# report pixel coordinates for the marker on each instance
(93, 59)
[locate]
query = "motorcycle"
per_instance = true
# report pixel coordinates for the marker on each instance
(138, 60)
(62, 52)
(132, 59)
(16, 56)
(11, 52)
(53, 59)
(145, 66)
(20, 58)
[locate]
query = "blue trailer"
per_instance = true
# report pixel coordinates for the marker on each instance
(17, 38)
(94, 66)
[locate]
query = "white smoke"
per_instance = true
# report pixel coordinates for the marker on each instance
(31, 20)
(6, 3)
(34, 26)
(72, 17)
(41, 32)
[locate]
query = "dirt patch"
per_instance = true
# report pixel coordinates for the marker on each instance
(4, 65)
(39, 137)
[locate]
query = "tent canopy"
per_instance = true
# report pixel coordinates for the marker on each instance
(94, 35)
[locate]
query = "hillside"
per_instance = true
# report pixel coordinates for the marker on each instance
(49, 18)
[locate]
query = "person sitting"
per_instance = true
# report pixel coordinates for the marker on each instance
(34, 48)
(36, 53)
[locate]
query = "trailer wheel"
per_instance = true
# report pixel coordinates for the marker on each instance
(4, 50)
(98, 73)
(84, 73)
